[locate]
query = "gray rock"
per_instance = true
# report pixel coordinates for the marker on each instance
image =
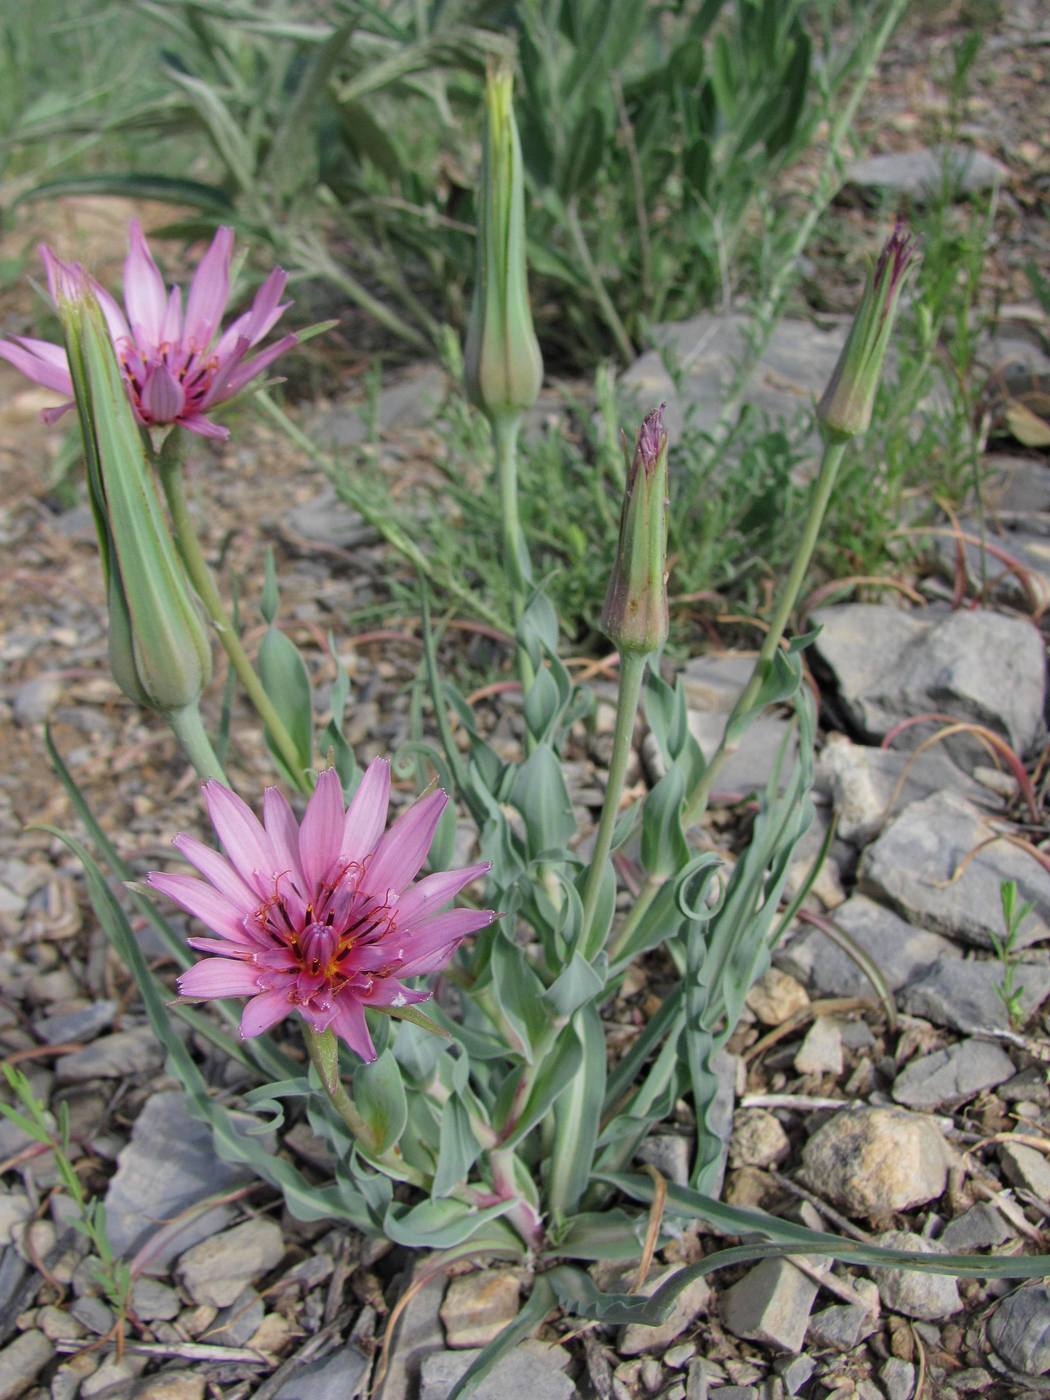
(154, 1301)
(520, 1372)
(21, 1361)
(976, 665)
(1025, 589)
(875, 1161)
(419, 1334)
(720, 1116)
(770, 1304)
(1017, 489)
(92, 1313)
(670, 1154)
(821, 1048)
(794, 1371)
(479, 1305)
(962, 993)
(840, 1327)
(82, 1024)
(169, 1165)
(1032, 1085)
(929, 1297)
(757, 1140)
(925, 172)
(411, 401)
(34, 699)
(792, 373)
(340, 1376)
(915, 862)
(898, 1378)
(749, 767)
(113, 1056)
(868, 785)
(1025, 1167)
(901, 951)
(236, 1323)
(953, 1075)
(637, 1337)
(329, 521)
(735, 1392)
(980, 1227)
(215, 1271)
(1019, 1329)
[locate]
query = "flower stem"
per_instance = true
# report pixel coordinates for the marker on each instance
(188, 728)
(825, 483)
(516, 560)
(632, 669)
(323, 1049)
(169, 466)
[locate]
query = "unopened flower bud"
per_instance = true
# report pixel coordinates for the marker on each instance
(845, 409)
(158, 645)
(635, 617)
(502, 362)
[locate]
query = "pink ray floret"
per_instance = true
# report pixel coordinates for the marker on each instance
(176, 364)
(323, 916)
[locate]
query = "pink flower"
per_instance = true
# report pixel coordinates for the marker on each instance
(175, 368)
(320, 917)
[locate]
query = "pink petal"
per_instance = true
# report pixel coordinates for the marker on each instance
(219, 977)
(246, 372)
(29, 358)
(218, 872)
(209, 291)
(52, 415)
(388, 991)
(119, 330)
(219, 946)
(321, 832)
(171, 330)
(203, 902)
(283, 831)
(366, 816)
(265, 311)
(65, 280)
(243, 839)
(162, 396)
(431, 946)
(428, 895)
(402, 851)
(144, 293)
(204, 427)
(264, 1011)
(350, 1025)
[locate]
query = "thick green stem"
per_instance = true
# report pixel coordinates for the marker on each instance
(632, 669)
(825, 483)
(516, 560)
(323, 1049)
(191, 734)
(170, 469)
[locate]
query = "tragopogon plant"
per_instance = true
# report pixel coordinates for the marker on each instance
(494, 1123)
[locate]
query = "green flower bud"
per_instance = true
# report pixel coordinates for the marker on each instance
(845, 409)
(635, 615)
(502, 362)
(158, 646)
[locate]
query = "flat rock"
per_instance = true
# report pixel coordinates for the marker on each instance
(83, 1023)
(340, 1376)
(1026, 1167)
(876, 1161)
(328, 521)
(841, 1327)
(215, 1271)
(419, 1335)
(1019, 1329)
(980, 1227)
(924, 173)
(21, 1361)
(791, 375)
(929, 1297)
(821, 1048)
(953, 1075)
(169, 1165)
(670, 1154)
(520, 1372)
(770, 1304)
(113, 1056)
(750, 766)
(170, 1385)
(776, 996)
(991, 566)
(479, 1305)
(636, 1337)
(34, 699)
(868, 785)
(976, 665)
(901, 951)
(961, 993)
(898, 1378)
(757, 1140)
(914, 864)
